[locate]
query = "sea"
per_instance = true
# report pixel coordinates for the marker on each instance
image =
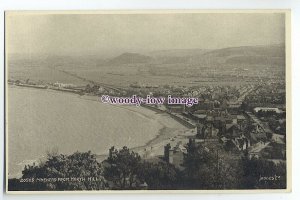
(43, 120)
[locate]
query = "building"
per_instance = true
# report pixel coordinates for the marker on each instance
(207, 131)
(64, 85)
(233, 131)
(265, 109)
(200, 118)
(175, 155)
(242, 143)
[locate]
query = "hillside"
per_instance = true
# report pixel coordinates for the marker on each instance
(249, 55)
(178, 53)
(129, 58)
(271, 50)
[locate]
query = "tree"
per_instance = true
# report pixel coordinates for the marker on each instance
(196, 162)
(209, 169)
(229, 145)
(77, 165)
(256, 168)
(122, 168)
(159, 175)
(196, 156)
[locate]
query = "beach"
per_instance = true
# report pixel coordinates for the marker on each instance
(44, 120)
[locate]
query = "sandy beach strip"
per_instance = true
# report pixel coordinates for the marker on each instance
(170, 129)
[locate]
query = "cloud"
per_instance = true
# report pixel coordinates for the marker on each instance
(102, 33)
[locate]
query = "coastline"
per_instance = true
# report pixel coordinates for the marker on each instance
(163, 135)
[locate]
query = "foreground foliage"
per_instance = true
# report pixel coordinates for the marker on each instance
(125, 170)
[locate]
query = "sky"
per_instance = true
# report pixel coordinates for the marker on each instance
(104, 34)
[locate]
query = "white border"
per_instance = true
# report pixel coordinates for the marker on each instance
(288, 99)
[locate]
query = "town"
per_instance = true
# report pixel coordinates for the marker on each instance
(228, 121)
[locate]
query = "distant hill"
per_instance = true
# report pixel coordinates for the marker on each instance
(244, 55)
(271, 55)
(178, 53)
(250, 55)
(129, 58)
(271, 50)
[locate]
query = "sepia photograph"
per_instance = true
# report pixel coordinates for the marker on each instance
(172, 101)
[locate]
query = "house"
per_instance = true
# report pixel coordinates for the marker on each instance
(209, 119)
(242, 143)
(266, 109)
(224, 104)
(241, 121)
(200, 118)
(275, 151)
(256, 137)
(210, 132)
(219, 122)
(232, 131)
(205, 105)
(175, 155)
(234, 107)
(240, 118)
(199, 130)
(207, 131)
(228, 119)
(256, 151)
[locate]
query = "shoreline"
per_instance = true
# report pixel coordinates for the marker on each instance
(164, 133)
